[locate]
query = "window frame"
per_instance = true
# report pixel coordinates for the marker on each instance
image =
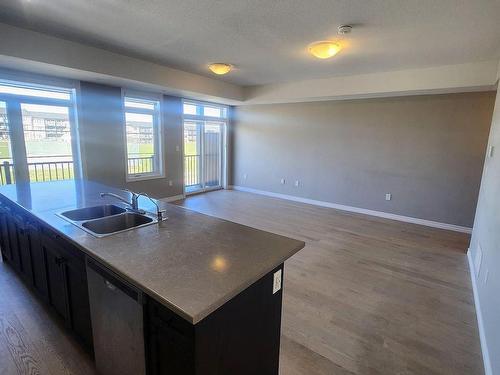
(159, 162)
(41, 82)
(201, 117)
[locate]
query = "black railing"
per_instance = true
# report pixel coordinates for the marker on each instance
(140, 165)
(7, 176)
(51, 170)
(40, 171)
(192, 170)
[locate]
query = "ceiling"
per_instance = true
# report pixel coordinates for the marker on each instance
(267, 40)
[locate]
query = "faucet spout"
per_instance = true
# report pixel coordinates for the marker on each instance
(133, 204)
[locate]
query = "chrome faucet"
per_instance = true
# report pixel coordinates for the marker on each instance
(134, 202)
(134, 205)
(160, 214)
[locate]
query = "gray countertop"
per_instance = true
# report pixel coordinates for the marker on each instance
(192, 263)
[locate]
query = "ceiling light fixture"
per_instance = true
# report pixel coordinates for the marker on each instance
(324, 49)
(344, 29)
(220, 68)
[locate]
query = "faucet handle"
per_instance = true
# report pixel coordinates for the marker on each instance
(161, 214)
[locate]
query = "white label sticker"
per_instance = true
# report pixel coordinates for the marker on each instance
(277, 281)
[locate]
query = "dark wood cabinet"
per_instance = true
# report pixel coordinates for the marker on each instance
(67, 285)
(23, 248)
(241, 337)
(4, 234)
(56, 279)
(49, 264)
(170, 342)
(38, 261)
(13, 241)
(78, 301)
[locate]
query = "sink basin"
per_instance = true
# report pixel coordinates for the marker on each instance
(118, 223)
(95, 212)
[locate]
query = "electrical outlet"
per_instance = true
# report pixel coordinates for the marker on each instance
(283, 181)
(388, 196)
(492, 151)
(276, 281)
(297, 183)
(177, 148)
(170, 183)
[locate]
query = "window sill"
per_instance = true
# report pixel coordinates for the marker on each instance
(132, 178)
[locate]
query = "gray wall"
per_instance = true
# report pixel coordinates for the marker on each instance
(425, 150)
(486, 234)
(103, 142)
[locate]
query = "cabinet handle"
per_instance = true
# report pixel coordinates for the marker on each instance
(60, 260)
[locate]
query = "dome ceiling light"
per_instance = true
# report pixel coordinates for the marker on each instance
(325, 49)
(220, 68)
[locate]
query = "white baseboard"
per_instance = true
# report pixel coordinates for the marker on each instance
(173, 198)
(482, 337)
(386, 215)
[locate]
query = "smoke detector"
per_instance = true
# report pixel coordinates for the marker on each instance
(344, 29)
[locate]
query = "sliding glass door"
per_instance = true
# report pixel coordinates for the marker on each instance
(37, 134)
(203, 147)
(212, 154)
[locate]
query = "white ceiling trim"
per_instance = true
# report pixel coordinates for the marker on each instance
(435, 80)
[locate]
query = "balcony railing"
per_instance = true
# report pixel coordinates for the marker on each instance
(7, 173)
(40, 171)
(140, 165)
(191, 170)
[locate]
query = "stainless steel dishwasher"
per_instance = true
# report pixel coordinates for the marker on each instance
(116, 309)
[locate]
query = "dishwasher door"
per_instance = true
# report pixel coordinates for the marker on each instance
(116, 309)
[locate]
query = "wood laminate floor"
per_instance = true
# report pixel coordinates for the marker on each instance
(365, 296)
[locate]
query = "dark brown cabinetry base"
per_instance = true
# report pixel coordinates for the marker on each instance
(50, 265)
(241, 337)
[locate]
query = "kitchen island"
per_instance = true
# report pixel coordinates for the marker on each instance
(208, 291)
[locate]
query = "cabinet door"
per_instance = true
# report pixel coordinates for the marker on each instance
(4, 235)
(67, 284)
(38, 262)
(13, 242)
(78, 299)
(24, 249)
(170, 342)
(56, 279)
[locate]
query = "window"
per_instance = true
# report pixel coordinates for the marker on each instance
(143, 136)
(37, 133)
(204, 146)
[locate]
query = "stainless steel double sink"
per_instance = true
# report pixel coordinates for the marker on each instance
(105, 220)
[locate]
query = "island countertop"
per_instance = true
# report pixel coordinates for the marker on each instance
(192, 263)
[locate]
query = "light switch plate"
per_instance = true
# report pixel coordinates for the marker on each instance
(277, 281)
